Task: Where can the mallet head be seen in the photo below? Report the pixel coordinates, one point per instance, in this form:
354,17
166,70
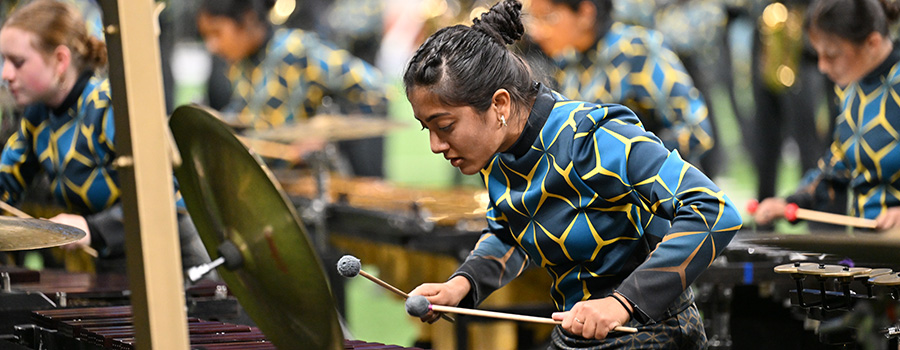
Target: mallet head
348,266
417,305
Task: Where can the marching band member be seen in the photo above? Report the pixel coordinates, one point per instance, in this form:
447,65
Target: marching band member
53,66
281,75
623,225
604,61
852,39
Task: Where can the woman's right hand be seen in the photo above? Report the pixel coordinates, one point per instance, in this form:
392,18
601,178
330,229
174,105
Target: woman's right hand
449,293
769,209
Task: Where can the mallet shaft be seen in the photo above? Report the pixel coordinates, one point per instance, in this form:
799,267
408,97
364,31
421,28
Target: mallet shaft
384,284
397,291
837,219
511,317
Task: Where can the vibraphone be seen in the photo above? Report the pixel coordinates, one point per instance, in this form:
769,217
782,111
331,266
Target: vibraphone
112,328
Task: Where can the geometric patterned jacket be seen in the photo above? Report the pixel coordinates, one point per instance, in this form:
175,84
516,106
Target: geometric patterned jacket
589,195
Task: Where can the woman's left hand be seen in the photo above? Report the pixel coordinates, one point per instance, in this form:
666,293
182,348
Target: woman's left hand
889,219
593,319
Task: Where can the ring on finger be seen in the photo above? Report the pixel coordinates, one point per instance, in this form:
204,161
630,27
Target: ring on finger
579,321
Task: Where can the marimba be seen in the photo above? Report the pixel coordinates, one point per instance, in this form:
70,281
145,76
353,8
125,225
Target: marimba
112,328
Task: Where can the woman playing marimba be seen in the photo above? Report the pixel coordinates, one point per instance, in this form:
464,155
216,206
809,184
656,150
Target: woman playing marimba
621,224
52,66
852,38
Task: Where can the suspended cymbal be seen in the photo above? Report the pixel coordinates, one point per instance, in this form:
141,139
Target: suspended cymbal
861,247
793,267
875,273
327,127
819,269
232,197
847,272
891,279
26,234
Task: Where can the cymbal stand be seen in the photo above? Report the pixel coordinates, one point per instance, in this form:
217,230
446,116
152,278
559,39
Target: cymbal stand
317,210
844,283
870,287
826,300
798,279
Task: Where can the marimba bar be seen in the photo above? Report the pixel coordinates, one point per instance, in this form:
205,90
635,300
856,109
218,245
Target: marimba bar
112,328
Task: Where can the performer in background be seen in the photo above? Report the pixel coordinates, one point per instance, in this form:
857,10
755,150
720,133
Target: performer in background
852,39
604,61
53,69
282,75
621,224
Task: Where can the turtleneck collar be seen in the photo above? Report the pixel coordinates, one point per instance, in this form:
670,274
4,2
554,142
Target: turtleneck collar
543,105
260,53
72,97
875,75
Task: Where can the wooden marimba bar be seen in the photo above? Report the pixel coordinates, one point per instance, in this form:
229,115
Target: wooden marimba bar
112,328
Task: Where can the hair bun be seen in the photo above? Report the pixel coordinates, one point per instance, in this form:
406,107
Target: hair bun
503,22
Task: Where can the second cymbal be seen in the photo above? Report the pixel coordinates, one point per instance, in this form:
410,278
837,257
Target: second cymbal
26,234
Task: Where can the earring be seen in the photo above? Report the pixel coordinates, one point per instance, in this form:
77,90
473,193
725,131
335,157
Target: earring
502,120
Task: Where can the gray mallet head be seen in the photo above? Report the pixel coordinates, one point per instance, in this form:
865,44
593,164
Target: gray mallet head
417,305
348,266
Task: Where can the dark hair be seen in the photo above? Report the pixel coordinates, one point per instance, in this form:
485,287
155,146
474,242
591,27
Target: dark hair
57,23
465,65
604,12
853,20
237,9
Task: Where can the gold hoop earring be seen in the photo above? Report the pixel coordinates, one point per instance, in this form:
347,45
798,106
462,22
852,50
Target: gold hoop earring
502,120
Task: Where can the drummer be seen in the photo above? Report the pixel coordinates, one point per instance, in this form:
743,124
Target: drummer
282,75
856,51
623,225
605,61
53,68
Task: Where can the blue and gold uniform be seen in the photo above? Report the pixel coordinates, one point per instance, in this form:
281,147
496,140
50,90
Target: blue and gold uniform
286,80
632,65
865,153
75,145
596,200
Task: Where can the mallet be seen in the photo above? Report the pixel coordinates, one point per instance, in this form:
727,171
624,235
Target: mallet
349,266
418,306
792,212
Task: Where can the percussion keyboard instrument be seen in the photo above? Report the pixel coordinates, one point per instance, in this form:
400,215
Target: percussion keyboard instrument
112,328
